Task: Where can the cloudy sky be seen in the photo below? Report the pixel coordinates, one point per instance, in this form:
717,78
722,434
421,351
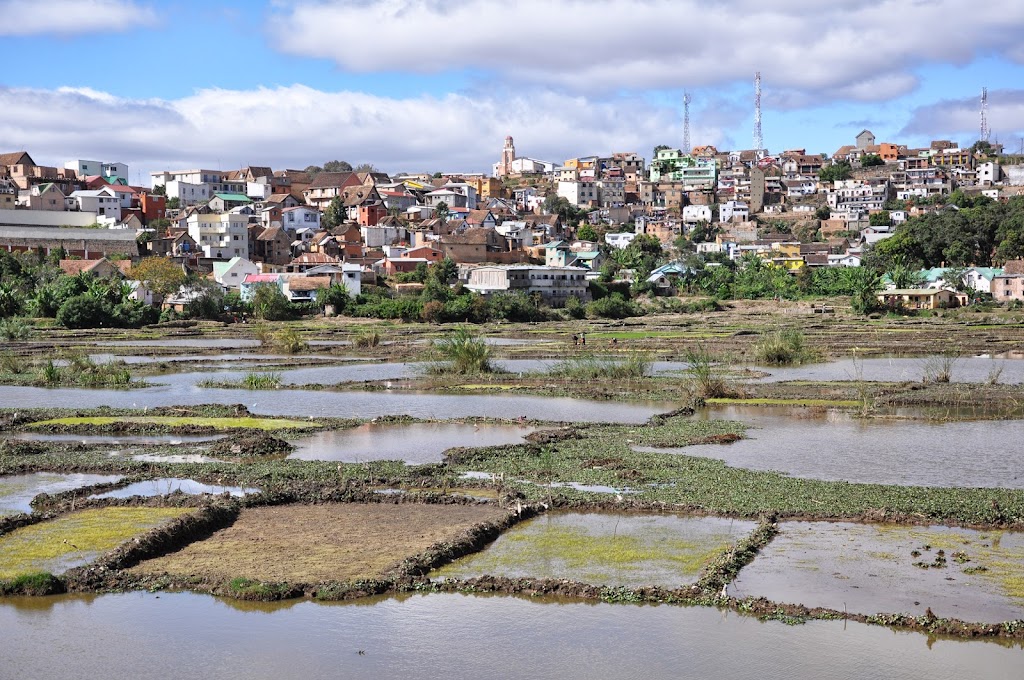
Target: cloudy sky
425,85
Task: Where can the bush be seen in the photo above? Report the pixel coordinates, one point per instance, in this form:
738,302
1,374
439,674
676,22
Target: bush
288,340
464,353
706,375
615,306
83,311
433,311
14,329
514,307
336,295
574,308
782,348
367,337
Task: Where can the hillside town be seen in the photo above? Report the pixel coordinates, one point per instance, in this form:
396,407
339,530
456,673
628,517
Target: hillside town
546,229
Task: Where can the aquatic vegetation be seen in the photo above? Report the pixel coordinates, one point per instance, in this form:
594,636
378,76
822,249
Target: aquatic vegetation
463,352
366,337
76,538
591,367
262,381
783,348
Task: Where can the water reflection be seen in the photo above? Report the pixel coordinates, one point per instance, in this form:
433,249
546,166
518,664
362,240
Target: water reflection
141,635
415,443
834,445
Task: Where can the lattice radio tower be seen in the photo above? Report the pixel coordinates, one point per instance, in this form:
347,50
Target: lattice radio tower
686,122
985,131
758,139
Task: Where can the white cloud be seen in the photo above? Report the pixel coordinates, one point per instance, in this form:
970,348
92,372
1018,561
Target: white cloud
960,119
852,49
71,17
296,126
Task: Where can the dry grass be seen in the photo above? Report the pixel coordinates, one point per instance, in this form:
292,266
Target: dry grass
300,543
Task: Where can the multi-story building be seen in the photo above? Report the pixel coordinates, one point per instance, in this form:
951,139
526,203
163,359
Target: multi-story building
860,196
555,285
672,165
220,236
580,193
611,191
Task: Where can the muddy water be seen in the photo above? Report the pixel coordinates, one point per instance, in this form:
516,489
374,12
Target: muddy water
162,487
17,491
605,549
126,440
870,569
141,635
341,404
415,444
183,342
833,445
965,369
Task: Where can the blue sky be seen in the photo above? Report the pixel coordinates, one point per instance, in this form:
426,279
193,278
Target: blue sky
422,85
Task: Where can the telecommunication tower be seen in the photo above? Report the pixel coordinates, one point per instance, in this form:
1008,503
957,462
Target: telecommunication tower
985,131
686,122
758,139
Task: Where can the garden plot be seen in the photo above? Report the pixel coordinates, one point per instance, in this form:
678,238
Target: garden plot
76,539
307,544
868,569
605,549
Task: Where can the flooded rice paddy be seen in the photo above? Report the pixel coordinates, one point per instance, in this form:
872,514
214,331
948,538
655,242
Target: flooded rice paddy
415,444
342,404
142,635
75,539
901,369
605,549
869,568
162,487
837,446
17,491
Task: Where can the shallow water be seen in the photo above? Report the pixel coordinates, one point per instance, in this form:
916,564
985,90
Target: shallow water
900,369
833,445
125,440
353,404
869,569
415,443
162,487
17,491
613,549
143,635
183,342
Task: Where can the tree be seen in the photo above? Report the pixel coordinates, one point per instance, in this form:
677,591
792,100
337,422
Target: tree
365,167
335,213
83,311
337,166
871,160
441,210
160,190
823,212
270,304
658,148
313,170
835,172
444,271
335,295
880,219
160,225
162,276
173,203
586,233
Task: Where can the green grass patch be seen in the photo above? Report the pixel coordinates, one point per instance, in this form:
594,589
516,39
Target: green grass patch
179,421
75,539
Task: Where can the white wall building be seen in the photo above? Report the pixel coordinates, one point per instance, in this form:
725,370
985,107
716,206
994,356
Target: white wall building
220,236
579,193
187,192
694,214
733,211
620,240
103,202
300,217
554,284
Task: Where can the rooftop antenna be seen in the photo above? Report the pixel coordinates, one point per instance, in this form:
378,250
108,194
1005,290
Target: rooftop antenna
758,139
985,131
686,122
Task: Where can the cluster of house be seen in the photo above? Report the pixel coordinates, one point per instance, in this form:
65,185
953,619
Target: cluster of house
303,231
